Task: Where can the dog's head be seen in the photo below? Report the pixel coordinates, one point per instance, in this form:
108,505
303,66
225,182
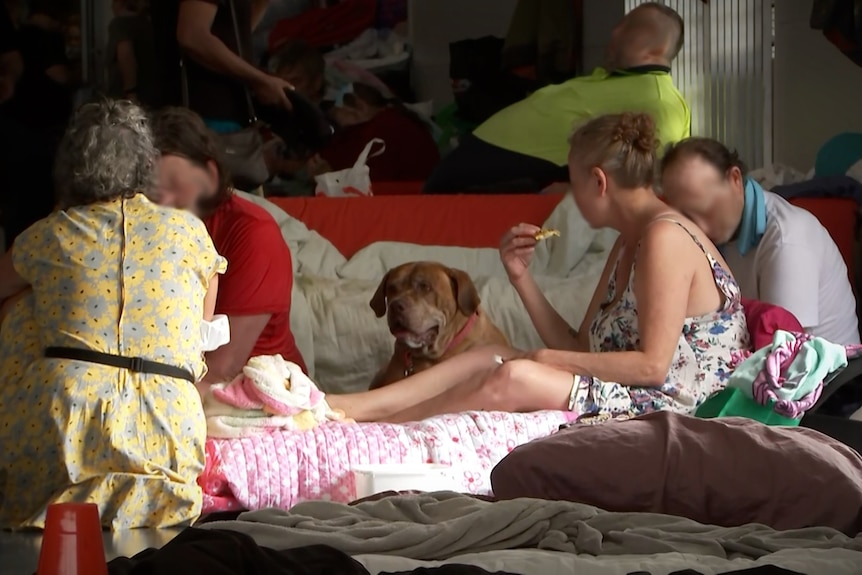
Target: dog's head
422,302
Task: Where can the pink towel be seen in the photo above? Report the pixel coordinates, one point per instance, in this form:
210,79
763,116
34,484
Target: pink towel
239,393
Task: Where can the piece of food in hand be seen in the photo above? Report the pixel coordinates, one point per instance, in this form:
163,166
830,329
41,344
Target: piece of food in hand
544,234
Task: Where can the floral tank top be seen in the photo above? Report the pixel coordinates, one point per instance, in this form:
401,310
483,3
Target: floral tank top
702,363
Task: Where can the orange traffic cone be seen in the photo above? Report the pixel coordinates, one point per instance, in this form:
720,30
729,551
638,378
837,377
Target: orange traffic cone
72,541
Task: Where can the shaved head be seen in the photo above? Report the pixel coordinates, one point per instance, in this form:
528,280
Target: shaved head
666,23
651,33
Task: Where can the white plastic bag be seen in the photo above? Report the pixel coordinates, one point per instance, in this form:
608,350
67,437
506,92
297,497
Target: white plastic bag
355,181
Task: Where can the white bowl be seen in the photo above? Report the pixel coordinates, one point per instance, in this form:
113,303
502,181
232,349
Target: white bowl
373,479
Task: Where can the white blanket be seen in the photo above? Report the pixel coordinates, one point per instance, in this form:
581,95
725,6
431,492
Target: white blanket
335,327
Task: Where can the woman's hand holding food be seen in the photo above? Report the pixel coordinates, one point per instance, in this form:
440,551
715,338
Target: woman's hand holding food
516,250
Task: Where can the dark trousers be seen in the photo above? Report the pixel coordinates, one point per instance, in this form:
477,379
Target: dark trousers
476,166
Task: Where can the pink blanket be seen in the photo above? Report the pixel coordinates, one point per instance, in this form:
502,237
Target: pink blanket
282,468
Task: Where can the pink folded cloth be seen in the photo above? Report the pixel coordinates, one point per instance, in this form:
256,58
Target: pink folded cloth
239,393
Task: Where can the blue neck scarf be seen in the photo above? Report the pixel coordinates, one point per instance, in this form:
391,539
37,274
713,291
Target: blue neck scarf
753,222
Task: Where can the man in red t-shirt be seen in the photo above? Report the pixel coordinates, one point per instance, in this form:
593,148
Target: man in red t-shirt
255,293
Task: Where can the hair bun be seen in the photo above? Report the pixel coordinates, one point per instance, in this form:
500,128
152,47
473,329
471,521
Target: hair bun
636,131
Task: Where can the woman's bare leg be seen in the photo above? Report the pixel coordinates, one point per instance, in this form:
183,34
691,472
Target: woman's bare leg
515,386
384,403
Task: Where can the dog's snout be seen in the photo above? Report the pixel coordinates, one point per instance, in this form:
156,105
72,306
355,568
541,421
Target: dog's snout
397,306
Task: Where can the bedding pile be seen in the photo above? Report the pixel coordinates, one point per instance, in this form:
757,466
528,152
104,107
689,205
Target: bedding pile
344,344
270,394
283,468
443,526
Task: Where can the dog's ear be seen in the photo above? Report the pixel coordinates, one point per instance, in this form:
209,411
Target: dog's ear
465,291
378,300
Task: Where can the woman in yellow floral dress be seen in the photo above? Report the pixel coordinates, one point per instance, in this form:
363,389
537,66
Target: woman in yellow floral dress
107,410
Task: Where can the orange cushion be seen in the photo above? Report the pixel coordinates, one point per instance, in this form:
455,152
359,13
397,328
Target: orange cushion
472,221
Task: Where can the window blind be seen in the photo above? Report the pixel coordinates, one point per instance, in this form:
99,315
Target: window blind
725,72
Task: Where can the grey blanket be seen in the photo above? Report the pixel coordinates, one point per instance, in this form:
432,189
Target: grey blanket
442,525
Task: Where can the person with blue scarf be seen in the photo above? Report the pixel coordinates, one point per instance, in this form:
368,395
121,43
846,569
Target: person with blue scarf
779,253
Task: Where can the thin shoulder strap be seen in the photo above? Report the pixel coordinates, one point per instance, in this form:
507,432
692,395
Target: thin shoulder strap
688,231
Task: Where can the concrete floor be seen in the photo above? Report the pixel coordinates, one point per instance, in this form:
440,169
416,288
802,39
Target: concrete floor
19,552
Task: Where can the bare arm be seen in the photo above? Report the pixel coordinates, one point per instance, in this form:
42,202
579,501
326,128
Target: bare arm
210,298
10,282
517,249
128,65
195,37
662,287
227,362
555,331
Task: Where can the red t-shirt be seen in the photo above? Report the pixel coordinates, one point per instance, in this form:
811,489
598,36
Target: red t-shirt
411,154
259,274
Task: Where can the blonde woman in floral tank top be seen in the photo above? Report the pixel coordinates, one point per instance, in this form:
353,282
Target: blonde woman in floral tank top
658,333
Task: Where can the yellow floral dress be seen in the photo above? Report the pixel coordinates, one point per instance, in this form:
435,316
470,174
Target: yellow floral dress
127,278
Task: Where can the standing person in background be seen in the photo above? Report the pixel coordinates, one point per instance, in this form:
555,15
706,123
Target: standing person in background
33,110
11,63
204,33
44,99
131,54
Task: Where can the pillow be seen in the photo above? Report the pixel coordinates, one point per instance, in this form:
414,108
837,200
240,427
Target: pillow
727,472
373,261
312,254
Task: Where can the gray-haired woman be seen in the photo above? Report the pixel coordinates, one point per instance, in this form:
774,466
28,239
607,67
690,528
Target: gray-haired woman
107,411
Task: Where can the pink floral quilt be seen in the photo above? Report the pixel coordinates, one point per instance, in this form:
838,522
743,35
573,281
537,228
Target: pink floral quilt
283,468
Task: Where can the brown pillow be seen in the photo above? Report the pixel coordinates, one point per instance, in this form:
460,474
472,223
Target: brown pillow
726,472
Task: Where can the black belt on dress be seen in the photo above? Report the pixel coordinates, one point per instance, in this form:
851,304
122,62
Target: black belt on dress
133,364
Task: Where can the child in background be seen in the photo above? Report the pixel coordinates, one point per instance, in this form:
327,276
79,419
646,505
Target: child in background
361,113
303,66
364,114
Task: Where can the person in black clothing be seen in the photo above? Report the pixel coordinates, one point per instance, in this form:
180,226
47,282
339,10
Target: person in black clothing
217,75
26,143
44,99
11,63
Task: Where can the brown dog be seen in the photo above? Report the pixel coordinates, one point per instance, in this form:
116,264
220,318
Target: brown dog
433,312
